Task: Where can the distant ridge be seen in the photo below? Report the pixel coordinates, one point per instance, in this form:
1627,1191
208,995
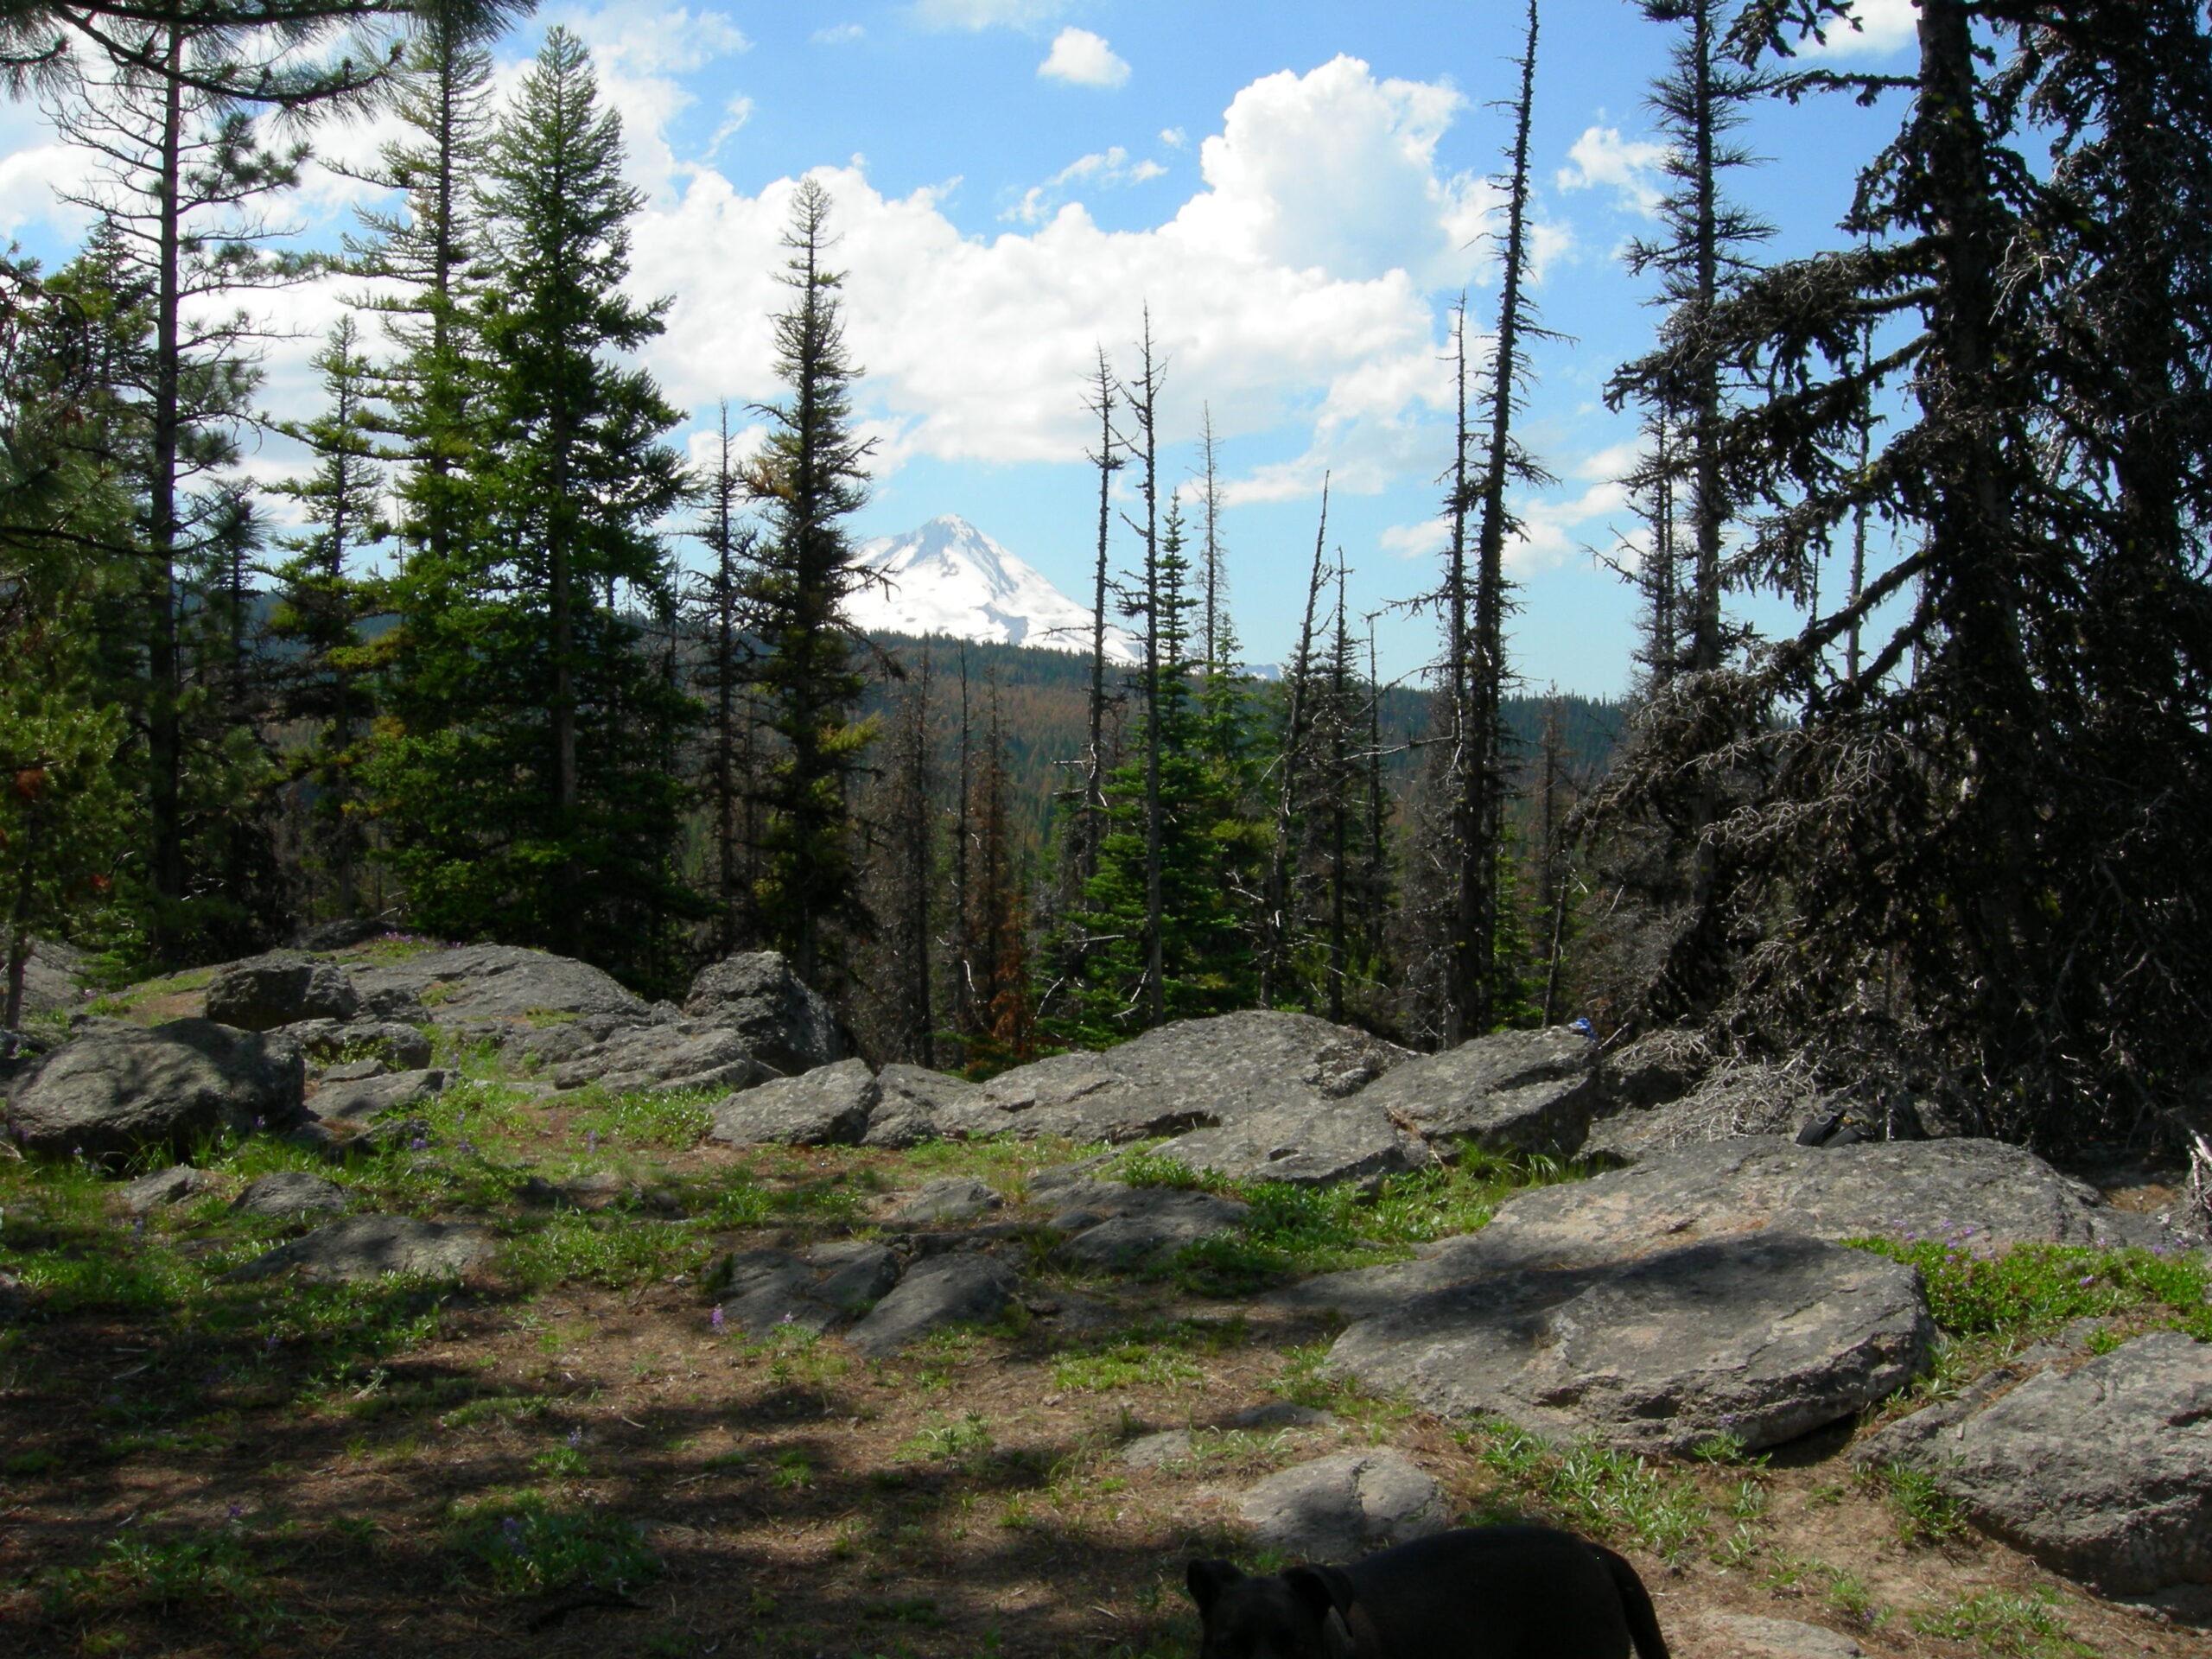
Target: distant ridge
947,577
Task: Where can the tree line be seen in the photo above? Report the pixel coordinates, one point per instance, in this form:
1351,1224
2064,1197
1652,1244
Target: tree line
1934,836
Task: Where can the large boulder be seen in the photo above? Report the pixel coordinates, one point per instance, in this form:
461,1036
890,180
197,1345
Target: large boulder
762,1291
826,1106
1193,1074
918,1104
50,983
1305,1144
280,989
2103,1473
368,1247
289,1192
1516,1091
664,1060
120,1089
965,1287
1337,1507
474,984
1982,1191
1762,1338
368,1098
783,1023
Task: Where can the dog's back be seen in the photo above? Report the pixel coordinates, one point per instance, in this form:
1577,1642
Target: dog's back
1485,1592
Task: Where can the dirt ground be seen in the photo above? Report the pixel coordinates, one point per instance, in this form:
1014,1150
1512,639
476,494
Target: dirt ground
549,1460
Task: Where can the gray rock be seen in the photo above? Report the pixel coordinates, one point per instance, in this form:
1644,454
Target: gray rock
121,1089
782,1022
1740,1098
341,935
50,983
1657,1069
812,1290
368,1247
355,1070
280,989
1344,1505
963,1288
917,1105
1280,1413
1765,1339
1150,1451
1305,1144
1745,1636
531,1047
826,1106
1530,1091
663,1059
369,1099
290,1193
171,1185
2103,1473
1115,1225
956,1197
1982,1191
468,984
1193,1074
400,1047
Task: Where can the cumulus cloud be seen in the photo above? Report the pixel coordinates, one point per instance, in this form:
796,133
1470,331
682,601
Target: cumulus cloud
986,14
639,37
1083,59
1107,169
1629,167
1884,25
1173,137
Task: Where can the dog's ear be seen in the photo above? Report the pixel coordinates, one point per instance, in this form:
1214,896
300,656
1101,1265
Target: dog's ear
1207,1579
1324,1590
1336,1637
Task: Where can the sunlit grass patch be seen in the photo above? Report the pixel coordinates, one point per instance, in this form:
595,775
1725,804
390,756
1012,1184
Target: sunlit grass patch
1599,1489
617,1252
2023,1291
524,1546
2006,1626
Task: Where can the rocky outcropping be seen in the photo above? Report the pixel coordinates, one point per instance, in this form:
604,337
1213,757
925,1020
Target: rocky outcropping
1111,1224
783,1023
369,1247
290,1193
1518,1091
118,1090
2102,1473
762,1291
664,1060
366,1099
334,1042
827,1107
474,984
964,1288
1307,1145
281,989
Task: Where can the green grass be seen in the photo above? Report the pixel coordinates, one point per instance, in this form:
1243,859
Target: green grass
1599,1489
613,1250
2025,1291
524,1546
219,1573
1923,1511
950,1440
2005,1626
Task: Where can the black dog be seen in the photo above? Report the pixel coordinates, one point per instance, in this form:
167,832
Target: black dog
1489,1592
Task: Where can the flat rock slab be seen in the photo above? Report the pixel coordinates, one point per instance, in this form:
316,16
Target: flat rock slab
1151,1450
812,1290
1531,1091
1979,1190
498,982
827,1107
290,1193
164,1187
2103,1473
781,1021
368,1098
1344,1505
369,1247
1112,1224
1280,1413
1192,1074
962,1288
120,1089
1305,1145
664,1060
1745,1636
1765,1339
956,1197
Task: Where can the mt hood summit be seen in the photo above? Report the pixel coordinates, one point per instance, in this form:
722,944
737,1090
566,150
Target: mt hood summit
949,577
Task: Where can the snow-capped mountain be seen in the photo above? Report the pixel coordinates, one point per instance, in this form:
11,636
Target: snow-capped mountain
949,577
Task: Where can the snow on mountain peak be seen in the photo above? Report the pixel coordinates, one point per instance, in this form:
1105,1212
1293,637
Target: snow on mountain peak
947,577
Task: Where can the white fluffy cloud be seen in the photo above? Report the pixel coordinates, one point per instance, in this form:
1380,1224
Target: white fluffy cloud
838,34
1108,168
1884,25
1293,287
1083,59
639,37
1629,166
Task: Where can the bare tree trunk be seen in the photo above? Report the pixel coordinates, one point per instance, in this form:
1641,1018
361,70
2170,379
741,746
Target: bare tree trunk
1109,461
1274,962
1144,404
164,731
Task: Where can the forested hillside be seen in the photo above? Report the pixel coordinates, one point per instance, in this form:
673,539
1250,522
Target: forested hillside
1909,787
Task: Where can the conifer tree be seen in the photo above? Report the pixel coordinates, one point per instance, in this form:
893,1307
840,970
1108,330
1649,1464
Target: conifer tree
517,776
810,475
730,780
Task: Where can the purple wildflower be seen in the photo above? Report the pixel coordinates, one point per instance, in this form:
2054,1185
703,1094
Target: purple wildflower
576,1439
591,1140
417,1143
717,1320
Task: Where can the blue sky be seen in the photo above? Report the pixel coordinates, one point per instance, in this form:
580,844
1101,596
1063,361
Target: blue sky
1297,190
